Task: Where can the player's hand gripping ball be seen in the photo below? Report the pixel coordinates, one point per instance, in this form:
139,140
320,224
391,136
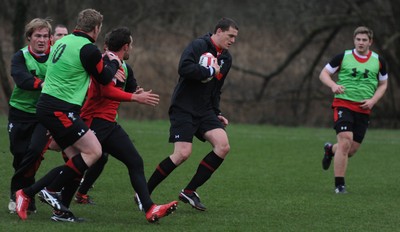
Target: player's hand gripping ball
207,59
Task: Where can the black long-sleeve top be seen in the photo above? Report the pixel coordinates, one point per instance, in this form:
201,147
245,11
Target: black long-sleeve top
195,92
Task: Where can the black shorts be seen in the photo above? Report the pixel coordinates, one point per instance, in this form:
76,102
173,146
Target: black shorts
28,140
116,142
61,119
348,120
103,128
184,126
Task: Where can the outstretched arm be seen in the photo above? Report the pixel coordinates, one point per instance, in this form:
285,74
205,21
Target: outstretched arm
112,92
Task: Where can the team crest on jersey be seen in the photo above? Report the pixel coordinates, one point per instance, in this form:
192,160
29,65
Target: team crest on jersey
340,113
10,126
71,116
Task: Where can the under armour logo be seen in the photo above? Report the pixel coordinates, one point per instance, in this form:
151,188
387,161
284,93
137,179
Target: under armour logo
10,126
343,128
340,113
81,132
177,136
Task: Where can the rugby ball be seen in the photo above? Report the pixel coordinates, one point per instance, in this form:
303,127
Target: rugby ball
206,59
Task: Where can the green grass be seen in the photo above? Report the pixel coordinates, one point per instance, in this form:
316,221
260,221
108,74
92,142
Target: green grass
272,180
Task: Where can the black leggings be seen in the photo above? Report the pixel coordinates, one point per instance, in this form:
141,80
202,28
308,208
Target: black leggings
116,142
28,142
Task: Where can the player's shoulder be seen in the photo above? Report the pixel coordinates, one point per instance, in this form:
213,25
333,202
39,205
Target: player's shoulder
337,59
89,47
377,56
18,56
201,43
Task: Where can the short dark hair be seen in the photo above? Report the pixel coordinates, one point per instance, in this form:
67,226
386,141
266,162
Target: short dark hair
225,24
363,30
117,38
60,26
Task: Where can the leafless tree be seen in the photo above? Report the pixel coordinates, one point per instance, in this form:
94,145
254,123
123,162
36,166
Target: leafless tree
281,48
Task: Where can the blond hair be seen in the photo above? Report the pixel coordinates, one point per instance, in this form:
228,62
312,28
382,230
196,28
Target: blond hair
35,24
88,19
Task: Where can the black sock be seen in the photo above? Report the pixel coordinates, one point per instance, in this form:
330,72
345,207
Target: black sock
69,190
92,174
206,168
339,180
162,171
43,182
74,168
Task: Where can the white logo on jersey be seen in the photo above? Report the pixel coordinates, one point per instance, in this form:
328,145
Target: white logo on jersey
10,126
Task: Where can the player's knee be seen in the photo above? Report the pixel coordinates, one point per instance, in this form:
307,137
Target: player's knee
180,156
54,146
96,152
223,149
345,144
185,155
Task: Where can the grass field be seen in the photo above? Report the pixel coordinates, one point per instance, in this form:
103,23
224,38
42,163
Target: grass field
272,180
